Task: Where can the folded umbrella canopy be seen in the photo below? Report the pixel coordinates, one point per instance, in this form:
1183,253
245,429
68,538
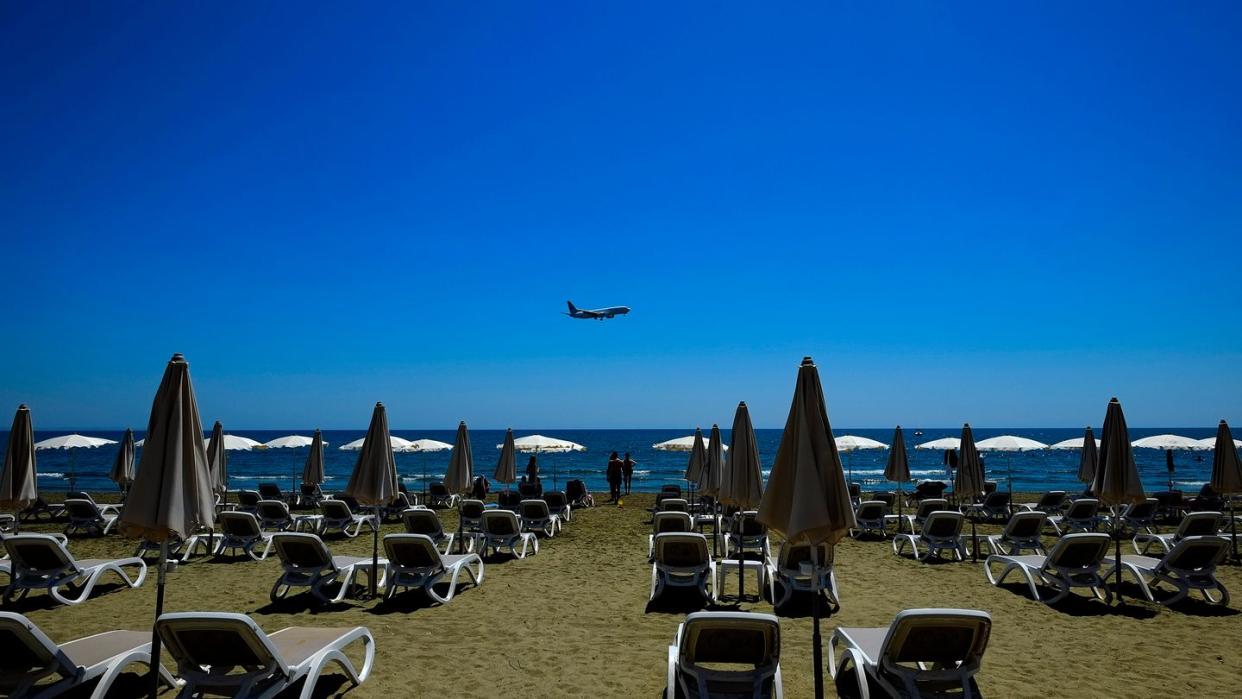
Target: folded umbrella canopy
1089,460
18,483
460,474
374,480
1116,475
968,481
897,469
171,494
312,471
1227,476
218,460
741,480
697,463
807,498
122,472
506,466
709,484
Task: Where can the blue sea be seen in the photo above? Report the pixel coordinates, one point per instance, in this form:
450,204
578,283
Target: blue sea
1031,471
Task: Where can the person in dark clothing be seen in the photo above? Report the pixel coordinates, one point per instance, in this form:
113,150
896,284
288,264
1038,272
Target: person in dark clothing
532,476
615,474
627,470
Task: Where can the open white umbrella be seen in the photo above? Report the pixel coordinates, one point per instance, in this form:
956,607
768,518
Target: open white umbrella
1072,443
942,444
1009,443
682,444
1171,441
539,444
851,443
396,444
71,442
291,441
1210,442
425,445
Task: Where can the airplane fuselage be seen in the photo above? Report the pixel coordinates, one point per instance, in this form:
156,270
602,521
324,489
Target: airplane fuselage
597,313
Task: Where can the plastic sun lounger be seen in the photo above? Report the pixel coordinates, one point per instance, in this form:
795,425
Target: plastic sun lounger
85,515
754,536
307,562
1022,532
1083,515
924,510
415,562
682,560
1075,561
942,531
1050,503
337,516
1190,565
502,531
1193,524
871,517
42,562
668,522
421,520
923,652
207,645
787,574
30,657
537,518
748,642
240,531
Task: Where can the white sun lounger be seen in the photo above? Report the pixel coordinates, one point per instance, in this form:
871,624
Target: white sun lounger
1022,532
42,562
1191,565
786,574
924,652
665,522
338,516
942,531
1075,561
682,560
871,517
307,562
210,646
85,515
748,644
31,657
240,531
1193,524
501,531
414,561
1050,503
1082,515
537,518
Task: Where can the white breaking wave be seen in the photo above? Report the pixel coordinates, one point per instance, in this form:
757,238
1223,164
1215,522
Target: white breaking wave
52,474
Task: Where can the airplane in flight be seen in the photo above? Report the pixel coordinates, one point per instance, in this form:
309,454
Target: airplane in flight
597,314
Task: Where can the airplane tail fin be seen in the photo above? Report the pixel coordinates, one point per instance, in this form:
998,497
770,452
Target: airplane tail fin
572,307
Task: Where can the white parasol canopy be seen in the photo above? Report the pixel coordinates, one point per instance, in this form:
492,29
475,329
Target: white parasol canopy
396,443
1072,443
849,442
1210,443
540,444
425,445
293,441
73,441
683,444
1009,442
941,444
1170,441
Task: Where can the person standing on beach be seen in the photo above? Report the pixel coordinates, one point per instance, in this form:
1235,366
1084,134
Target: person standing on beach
627,469
532,475
614,473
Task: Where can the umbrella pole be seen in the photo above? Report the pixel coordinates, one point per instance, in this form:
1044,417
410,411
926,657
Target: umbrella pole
159,609
817,646
900,498
1233,530
974,541
741,577
461,530
375,550
1117,563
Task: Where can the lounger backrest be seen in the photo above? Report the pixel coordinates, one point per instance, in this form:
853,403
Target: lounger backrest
219,640
1199,524
240,524
1197,554
871,510
674,505
534,509
1142,511
27,650
665,522
301,550
412,551
735,638
681,550
930,489
248,498
79,495
937,637
1051,500
886,497
943,524
997,499
472,509
750,525
269,491
1083,508
556,500
81,509
438,490
671,488
855,490
792,556
930,505
348,500
335,509
38,553
273,510
1024,525
310,489
420,521
1083,551
500,523
508,499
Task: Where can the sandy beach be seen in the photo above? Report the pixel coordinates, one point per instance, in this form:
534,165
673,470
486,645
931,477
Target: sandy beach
574,621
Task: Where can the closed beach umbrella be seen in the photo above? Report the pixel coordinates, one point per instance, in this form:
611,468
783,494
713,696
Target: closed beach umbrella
1227,476
218,460
1116,475
697,463
1090,458
18,486
374,480
807,498
460,473
171,494
741,480
968,481
312,471
710,483
506,466
898,468
122,472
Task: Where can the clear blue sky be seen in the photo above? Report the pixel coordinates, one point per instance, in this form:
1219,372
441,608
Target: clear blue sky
986,213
